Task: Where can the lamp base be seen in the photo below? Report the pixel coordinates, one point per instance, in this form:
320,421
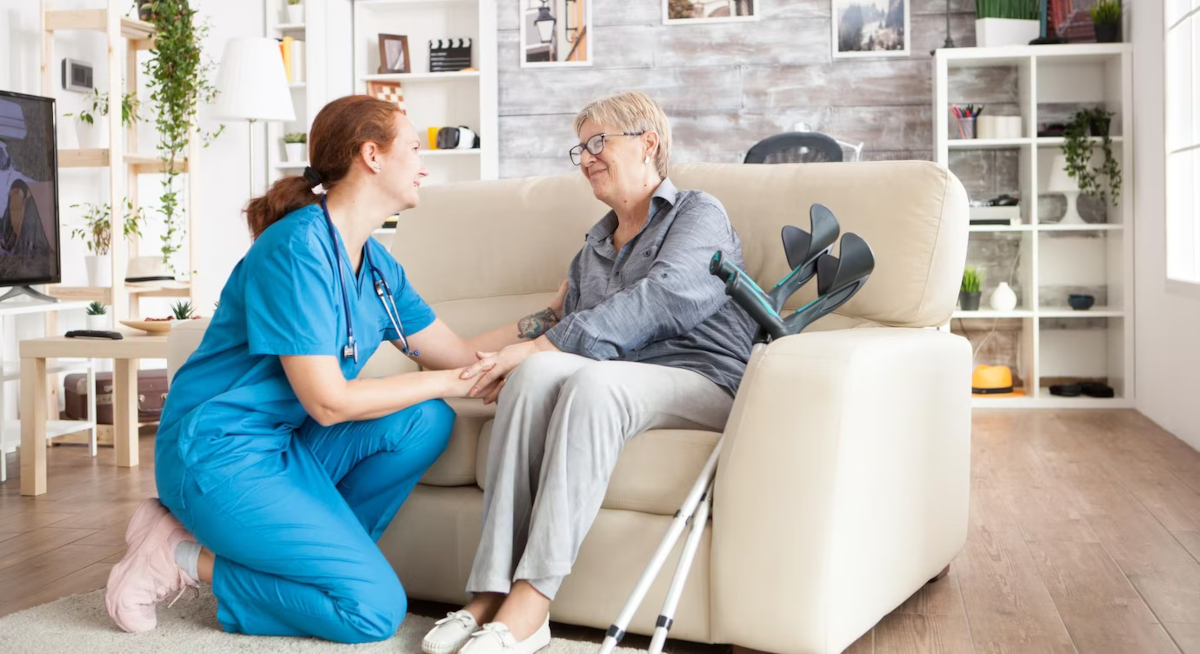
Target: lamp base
1072,217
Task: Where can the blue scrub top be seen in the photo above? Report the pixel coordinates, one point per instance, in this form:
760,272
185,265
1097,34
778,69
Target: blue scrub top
231,404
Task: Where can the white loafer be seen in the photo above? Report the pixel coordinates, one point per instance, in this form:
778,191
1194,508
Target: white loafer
450,633
495,638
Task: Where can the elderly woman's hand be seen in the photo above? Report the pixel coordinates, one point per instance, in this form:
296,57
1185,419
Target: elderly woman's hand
493,367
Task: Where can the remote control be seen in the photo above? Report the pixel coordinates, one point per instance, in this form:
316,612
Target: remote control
94,333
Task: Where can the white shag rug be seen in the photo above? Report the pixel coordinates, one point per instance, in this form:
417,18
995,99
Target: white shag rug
80,623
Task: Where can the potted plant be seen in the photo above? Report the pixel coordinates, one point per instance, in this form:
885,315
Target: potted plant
96,104
182,310
968,293
295,12
178,81
1106,17
146,10
97,236
293,144
1077,148
1006,22
97,316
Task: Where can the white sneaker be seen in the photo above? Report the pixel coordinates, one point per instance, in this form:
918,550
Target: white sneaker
449,633
495,638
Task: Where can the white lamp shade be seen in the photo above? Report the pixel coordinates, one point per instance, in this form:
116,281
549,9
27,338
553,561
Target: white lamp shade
251,83
1060,181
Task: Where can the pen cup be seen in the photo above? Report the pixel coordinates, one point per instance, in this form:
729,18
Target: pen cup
962,128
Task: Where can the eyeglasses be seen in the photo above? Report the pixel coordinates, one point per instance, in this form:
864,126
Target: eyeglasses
595,145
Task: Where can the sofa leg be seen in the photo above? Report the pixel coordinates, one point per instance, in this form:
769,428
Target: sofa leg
941,575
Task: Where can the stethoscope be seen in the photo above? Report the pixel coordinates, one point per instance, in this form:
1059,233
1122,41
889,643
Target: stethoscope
381,289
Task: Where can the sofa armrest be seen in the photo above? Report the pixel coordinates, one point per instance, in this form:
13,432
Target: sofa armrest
842,486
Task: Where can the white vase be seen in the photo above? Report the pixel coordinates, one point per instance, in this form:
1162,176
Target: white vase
1004,298
998,32
295,151
295,14
98,270
89,135
98,322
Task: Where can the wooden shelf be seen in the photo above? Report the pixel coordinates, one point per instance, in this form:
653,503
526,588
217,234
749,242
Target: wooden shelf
291,27
1068,312
985,314
986,144
1001,228
12,371
142,164
103,294
1059,140
96,20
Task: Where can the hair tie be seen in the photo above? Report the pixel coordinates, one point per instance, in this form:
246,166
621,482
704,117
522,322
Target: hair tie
313,177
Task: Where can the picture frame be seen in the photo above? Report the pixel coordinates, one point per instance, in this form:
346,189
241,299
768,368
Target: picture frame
712,11
867,28
555,33
393,54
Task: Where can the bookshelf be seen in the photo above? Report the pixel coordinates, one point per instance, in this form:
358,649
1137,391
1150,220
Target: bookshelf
1043,260
308,80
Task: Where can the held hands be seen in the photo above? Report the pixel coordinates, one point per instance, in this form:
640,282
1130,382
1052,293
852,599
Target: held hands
492,368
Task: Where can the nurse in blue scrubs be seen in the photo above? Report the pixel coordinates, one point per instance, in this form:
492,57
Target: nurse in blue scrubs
276,467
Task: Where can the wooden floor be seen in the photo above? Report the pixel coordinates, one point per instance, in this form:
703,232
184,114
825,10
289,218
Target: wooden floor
1084,536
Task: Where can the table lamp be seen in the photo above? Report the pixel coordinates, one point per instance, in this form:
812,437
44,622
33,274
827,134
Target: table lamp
253,86
1061,182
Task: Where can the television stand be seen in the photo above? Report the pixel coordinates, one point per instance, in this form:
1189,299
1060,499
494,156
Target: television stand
18,291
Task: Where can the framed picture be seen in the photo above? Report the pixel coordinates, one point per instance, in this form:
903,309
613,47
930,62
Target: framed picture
556,33
870,28
393,54
707,11
391,92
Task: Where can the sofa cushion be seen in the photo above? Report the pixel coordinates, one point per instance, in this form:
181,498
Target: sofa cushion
456,465
656,469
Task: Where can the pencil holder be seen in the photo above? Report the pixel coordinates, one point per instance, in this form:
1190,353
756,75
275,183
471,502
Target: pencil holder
962,127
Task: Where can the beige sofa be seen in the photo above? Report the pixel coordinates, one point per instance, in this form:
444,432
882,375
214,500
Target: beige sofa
842,486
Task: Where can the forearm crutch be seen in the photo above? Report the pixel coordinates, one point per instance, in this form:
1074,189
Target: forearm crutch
695,533
699,490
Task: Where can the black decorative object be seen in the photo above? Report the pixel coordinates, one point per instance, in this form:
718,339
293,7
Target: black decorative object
1081,302
448,55
545,23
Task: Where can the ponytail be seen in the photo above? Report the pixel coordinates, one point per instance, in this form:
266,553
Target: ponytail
285,196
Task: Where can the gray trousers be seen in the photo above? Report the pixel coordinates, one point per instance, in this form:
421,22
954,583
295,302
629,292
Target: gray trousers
561,422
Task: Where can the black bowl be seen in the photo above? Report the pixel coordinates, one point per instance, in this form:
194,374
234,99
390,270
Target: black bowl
1081,302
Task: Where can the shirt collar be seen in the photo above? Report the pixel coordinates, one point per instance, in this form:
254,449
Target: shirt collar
666,192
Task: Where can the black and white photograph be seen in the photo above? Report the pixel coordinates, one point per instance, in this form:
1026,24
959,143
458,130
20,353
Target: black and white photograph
393,54
870,28
708,11
556,33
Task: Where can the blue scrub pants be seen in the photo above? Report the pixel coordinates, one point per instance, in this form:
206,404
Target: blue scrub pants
294,535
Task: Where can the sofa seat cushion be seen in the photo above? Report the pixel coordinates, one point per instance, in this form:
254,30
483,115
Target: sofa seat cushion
456,465
656,469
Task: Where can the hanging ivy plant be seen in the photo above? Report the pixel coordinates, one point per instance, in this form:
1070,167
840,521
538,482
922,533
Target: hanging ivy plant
1077,147
179,82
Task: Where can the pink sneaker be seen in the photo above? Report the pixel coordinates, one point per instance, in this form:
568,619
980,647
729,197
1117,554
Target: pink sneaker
147,573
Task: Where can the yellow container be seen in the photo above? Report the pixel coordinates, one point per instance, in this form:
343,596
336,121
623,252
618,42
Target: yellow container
433,137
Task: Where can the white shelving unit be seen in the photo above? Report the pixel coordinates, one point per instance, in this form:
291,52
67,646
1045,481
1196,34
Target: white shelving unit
1057,343
310,83
437,99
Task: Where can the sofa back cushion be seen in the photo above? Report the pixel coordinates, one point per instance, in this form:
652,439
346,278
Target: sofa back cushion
510,241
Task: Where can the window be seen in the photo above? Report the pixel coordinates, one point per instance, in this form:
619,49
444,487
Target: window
1183,140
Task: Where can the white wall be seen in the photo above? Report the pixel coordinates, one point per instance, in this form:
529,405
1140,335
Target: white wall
1167,321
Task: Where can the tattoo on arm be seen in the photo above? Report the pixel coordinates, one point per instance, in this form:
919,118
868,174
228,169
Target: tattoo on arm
536,324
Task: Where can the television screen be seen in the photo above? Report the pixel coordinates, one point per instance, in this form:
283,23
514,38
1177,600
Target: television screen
29,238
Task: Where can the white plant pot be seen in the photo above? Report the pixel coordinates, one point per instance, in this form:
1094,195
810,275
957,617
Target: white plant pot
89,135
98,322
295,151
295,14
99,272
998,32
1004,298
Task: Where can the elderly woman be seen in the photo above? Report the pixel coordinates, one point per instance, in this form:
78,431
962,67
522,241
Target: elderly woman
647,340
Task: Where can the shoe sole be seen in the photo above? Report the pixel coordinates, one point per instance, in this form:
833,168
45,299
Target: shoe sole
111,592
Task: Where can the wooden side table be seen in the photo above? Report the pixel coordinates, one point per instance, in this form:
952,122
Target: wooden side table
125,354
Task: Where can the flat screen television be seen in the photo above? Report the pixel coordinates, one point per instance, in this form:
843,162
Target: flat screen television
29,234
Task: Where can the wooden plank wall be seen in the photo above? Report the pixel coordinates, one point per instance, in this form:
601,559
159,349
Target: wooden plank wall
727,85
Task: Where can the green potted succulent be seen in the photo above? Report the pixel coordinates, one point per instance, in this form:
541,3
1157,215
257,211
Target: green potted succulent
96,233
1106,17
1077,148
182,310
293,145
97,316
969,291
1006,22
95,105
295,12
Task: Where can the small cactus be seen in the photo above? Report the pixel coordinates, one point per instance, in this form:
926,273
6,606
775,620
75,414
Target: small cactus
182,310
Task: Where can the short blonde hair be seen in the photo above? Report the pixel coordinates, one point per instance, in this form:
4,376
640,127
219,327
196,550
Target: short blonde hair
632,111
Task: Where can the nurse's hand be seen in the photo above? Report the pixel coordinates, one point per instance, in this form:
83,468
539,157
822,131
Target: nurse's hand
457,385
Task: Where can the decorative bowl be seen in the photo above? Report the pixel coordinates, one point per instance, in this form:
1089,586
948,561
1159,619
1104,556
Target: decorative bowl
1081,302
150,326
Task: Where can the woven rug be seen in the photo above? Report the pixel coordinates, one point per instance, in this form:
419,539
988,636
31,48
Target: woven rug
79,623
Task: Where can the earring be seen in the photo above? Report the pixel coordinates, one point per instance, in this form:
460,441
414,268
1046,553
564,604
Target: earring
376,168
647,159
